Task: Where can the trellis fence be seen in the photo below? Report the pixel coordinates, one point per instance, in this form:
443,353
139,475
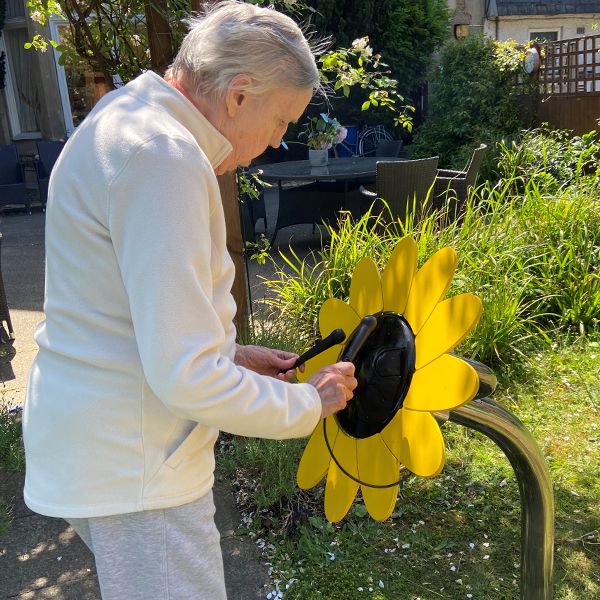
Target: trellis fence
569,84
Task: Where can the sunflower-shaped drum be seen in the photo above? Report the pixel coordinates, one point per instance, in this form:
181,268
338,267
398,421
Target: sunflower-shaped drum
401,331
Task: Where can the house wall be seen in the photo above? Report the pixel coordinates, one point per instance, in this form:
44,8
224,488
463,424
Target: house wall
52,121
519,28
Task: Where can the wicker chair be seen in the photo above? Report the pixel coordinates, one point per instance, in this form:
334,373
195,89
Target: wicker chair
12,180
312,203
389,148
47,154
404,185
455,186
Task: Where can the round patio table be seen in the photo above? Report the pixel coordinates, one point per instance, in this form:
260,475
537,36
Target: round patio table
338,169
317,194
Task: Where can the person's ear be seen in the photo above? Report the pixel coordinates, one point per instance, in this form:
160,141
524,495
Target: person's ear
236,97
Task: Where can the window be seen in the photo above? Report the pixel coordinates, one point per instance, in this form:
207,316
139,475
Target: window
75,82
23,91
544,36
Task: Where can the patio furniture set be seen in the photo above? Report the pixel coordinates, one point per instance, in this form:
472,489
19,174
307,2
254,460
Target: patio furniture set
313,195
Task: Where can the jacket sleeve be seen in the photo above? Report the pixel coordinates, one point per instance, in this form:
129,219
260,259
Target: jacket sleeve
159,216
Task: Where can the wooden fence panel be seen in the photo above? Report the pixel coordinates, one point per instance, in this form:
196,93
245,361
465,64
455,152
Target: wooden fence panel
571,67
569,86
578,113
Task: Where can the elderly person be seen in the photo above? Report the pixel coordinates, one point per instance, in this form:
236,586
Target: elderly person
138,368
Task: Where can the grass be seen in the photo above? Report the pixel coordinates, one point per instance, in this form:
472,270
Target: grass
456,534
12,458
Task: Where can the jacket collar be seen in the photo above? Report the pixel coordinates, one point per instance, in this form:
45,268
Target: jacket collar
153,89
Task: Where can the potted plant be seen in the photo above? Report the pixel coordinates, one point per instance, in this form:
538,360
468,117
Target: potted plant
321,133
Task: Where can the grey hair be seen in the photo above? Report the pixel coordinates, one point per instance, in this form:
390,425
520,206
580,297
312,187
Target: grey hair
233,38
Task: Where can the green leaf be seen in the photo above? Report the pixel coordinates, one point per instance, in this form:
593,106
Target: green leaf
365,105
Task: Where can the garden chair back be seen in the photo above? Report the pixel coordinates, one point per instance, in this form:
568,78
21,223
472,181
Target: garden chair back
456,185
12,180
47,152
405,185
390,148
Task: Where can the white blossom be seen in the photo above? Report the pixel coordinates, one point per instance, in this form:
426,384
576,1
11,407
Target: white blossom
37,16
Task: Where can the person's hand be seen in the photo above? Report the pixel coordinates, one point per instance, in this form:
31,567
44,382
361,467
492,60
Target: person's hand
267,361
335,384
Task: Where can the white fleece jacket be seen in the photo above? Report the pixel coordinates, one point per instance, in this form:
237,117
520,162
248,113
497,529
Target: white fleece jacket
135,375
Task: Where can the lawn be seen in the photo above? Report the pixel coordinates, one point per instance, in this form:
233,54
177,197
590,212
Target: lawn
455,536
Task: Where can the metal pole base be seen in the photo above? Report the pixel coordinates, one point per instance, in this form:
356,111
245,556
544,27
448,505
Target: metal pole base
535,487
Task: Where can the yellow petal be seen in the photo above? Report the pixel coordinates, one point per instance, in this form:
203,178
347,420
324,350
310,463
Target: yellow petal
448,325
429,285
315,459
398,275
392,435
445,383
422,446
336,314
329,357
365,288
344,450
377,466
340,492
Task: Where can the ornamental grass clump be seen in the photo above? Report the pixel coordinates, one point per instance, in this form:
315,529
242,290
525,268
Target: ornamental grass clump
552,158
534,260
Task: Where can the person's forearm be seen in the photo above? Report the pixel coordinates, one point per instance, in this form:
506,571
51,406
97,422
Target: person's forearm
240,358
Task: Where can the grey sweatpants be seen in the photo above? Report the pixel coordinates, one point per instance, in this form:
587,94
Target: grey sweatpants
168,554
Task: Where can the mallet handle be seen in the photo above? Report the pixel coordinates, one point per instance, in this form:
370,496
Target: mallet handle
363,331
337,336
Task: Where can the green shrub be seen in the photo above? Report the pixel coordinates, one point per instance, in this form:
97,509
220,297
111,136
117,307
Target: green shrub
551,157
473,99
405,32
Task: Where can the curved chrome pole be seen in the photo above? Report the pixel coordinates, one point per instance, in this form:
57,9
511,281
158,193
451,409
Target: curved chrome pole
535,487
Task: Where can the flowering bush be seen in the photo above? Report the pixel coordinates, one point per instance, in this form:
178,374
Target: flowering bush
322,132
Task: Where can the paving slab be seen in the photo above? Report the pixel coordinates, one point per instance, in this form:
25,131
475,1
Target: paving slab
43,557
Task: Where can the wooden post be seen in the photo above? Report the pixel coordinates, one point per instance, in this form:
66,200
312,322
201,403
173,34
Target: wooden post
235,245
159,34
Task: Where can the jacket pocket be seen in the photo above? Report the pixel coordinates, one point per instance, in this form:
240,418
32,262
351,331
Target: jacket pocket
191,446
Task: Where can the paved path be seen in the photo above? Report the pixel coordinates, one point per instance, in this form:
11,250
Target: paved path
42,558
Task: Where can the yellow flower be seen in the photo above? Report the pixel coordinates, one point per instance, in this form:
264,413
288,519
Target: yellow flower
405,373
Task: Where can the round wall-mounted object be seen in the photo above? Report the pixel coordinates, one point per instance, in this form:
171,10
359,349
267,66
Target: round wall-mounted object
531,62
